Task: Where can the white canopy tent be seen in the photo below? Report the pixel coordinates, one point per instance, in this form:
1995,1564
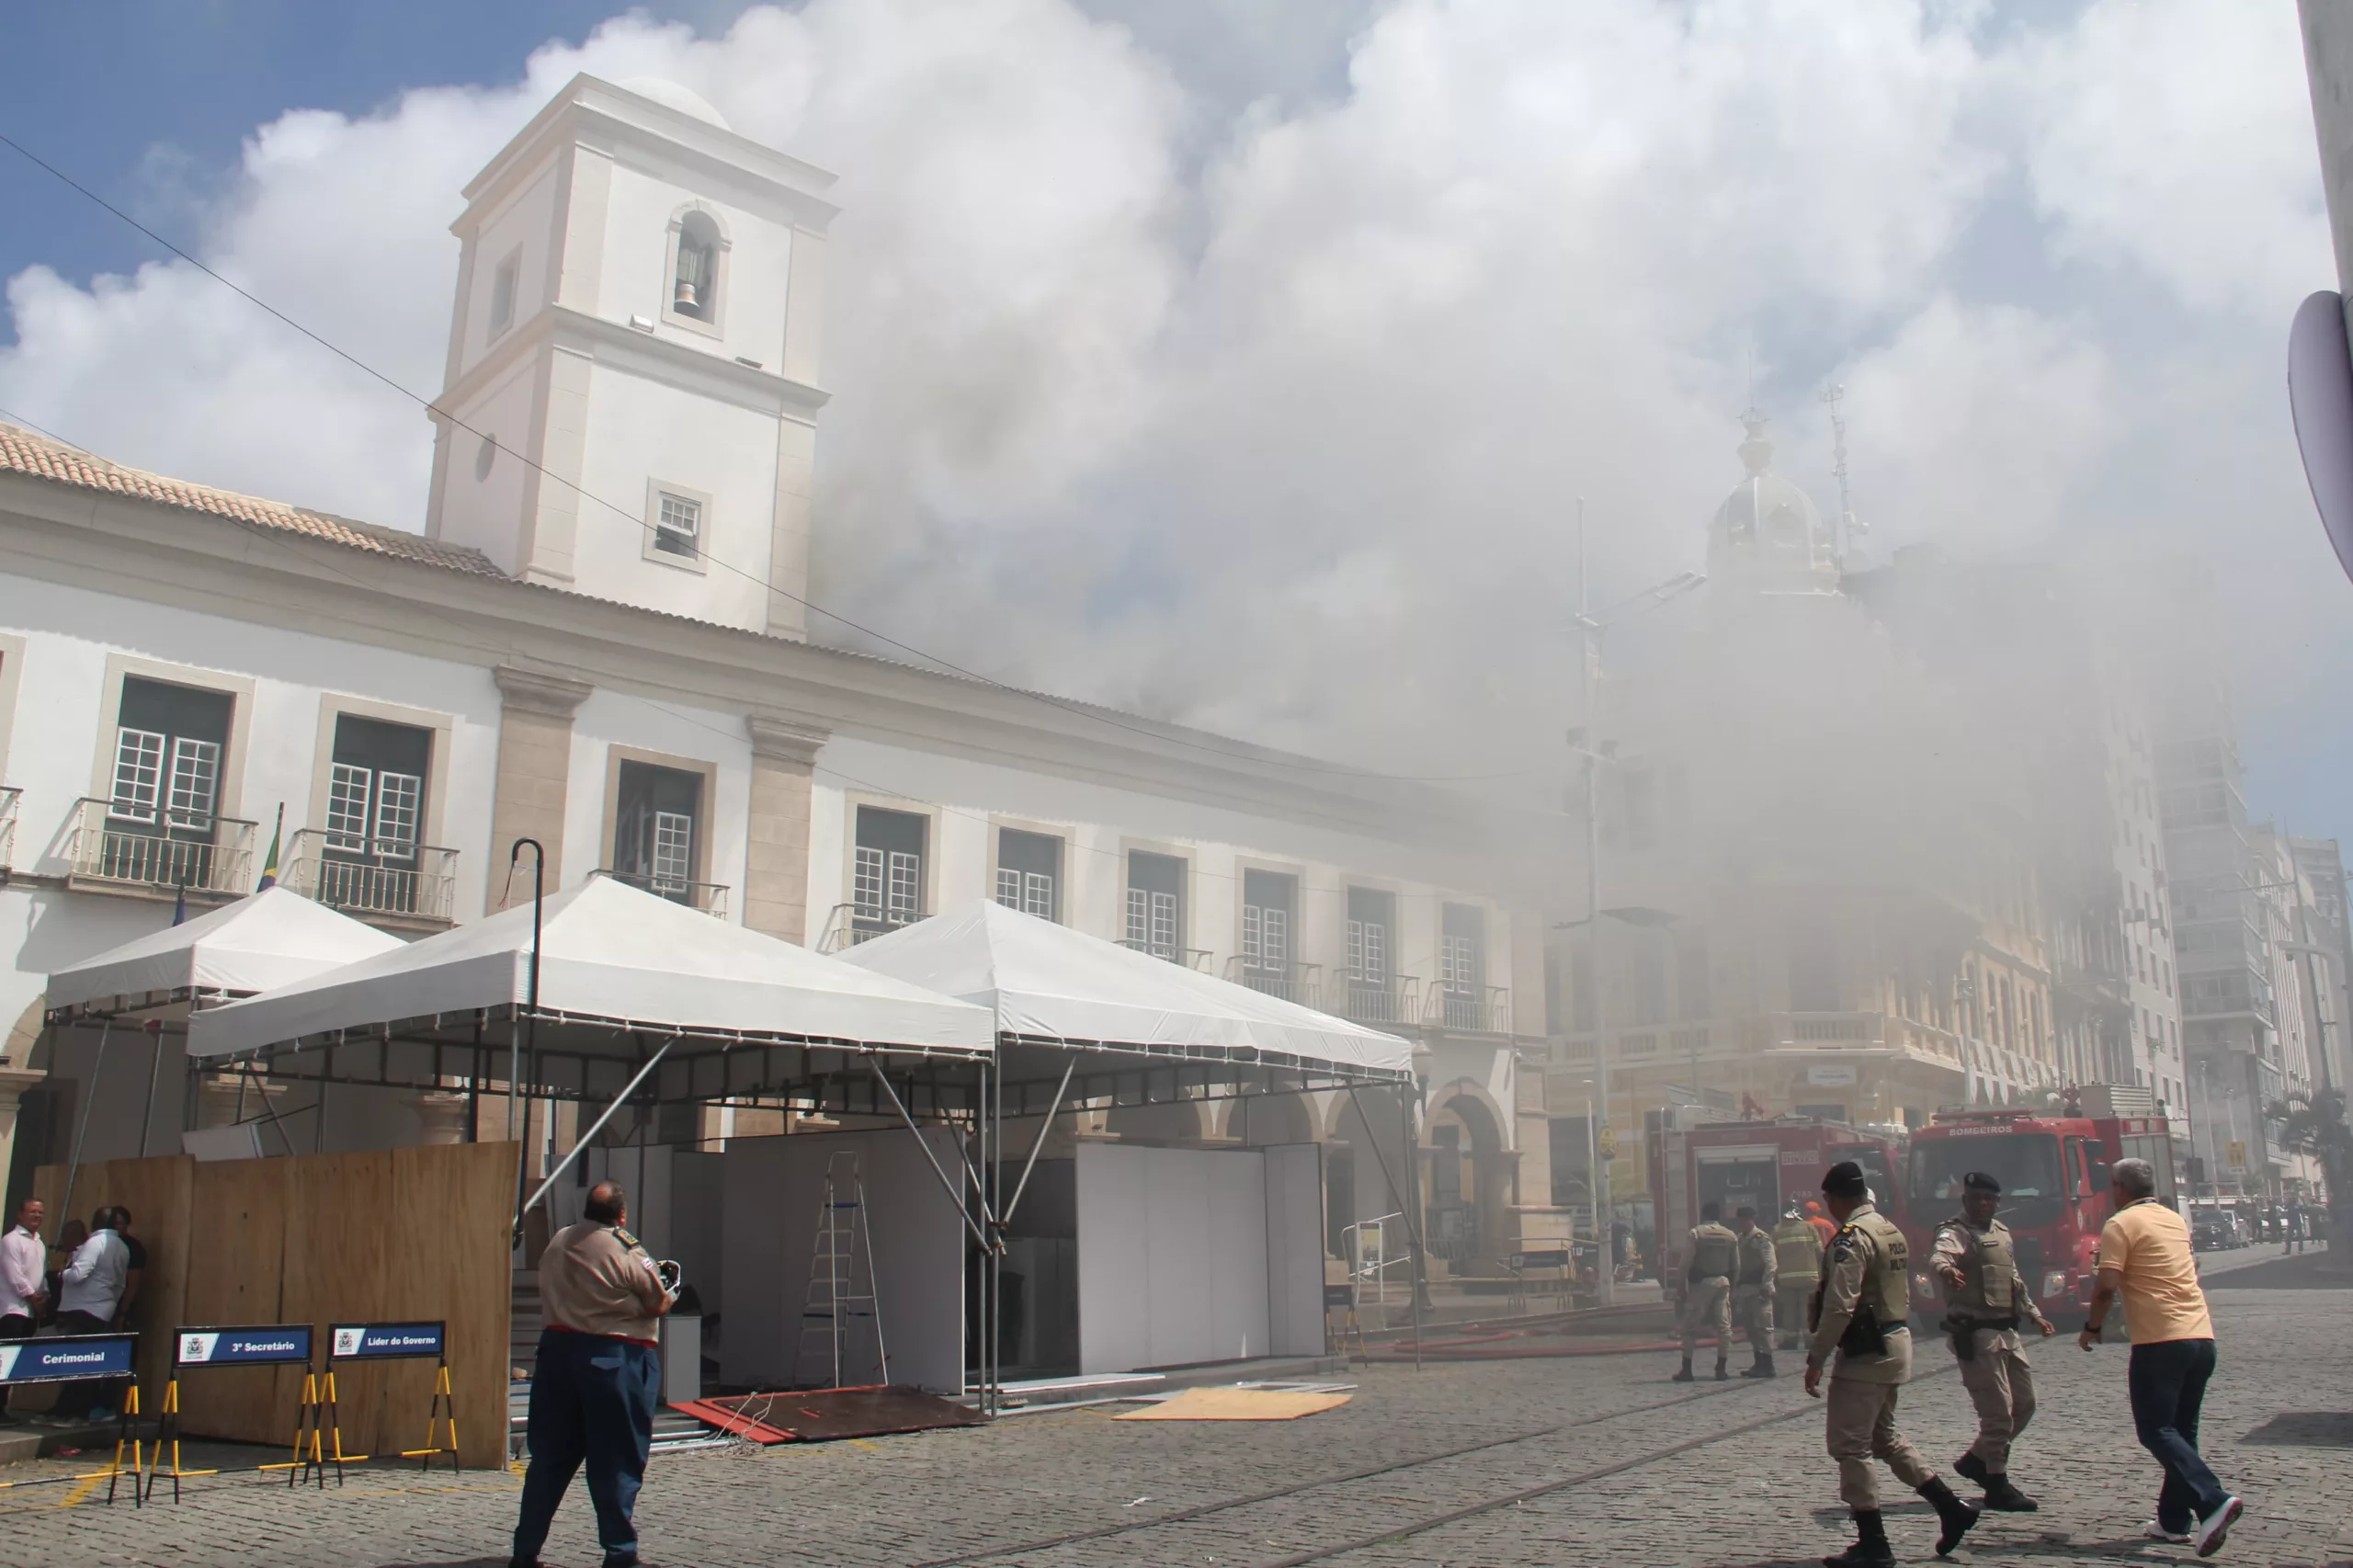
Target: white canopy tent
1052,985
275,938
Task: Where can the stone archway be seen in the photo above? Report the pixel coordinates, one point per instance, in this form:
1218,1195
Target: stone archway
1257,1121
1181,1123
1469,1185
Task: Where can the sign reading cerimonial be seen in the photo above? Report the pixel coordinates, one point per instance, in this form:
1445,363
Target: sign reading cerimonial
383,1341
249,1346
66,1355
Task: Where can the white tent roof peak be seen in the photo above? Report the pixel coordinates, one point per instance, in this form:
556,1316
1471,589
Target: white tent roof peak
1048,983
272,938
612,952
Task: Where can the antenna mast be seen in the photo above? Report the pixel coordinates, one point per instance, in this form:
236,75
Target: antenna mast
1832,396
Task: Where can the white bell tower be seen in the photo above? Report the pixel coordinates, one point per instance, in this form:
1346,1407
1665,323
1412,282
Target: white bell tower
630,408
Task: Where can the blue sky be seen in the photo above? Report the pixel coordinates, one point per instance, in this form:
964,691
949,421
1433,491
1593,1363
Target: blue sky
2049,247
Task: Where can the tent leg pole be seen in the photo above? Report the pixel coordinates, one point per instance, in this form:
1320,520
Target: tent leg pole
527,1036
580,1144
1413,1207
155,1076
74,1169
955,1192
1409,1207
996,1252
1031,1162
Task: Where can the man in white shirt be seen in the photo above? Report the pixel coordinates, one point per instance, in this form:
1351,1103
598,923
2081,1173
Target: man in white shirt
88,1301
24,1286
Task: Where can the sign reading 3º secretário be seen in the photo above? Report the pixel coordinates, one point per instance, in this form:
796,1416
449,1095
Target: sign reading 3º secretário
383,1341
66,1355
260,1345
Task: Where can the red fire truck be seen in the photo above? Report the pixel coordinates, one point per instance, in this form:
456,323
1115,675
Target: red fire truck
2053,1171
1760,1164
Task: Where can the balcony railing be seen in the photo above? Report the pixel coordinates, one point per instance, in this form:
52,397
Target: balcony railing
1289,982
395,883
708,897
1191,958
1480,1009
8,800
211,855
1391,999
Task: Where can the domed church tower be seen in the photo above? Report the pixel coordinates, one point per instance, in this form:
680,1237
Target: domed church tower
1769,537
630,407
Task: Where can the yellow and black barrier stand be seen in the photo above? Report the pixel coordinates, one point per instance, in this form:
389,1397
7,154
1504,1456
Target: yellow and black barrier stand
126,1431
443,1410
168,1429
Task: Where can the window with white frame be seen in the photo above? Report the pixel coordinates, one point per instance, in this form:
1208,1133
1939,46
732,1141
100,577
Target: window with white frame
655,815
376,788
1028,872
1462,944
1157,905
1373,917
169,742
1269,899
887,870
678,525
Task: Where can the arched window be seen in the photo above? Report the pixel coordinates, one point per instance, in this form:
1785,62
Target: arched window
694,286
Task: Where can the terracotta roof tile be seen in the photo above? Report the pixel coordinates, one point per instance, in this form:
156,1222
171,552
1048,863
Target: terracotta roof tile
26,452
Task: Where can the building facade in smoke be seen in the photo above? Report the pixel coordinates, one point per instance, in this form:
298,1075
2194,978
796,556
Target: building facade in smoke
1873,843
600,641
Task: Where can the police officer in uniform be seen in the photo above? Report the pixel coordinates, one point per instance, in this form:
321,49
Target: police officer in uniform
1986,1297
1797,1256
1713,1252
593,1390
1859,1314
1752,1291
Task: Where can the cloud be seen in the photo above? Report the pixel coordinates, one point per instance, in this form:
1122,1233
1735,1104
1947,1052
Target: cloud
1262,393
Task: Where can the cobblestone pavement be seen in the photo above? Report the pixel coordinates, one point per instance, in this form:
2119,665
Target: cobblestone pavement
1478,1465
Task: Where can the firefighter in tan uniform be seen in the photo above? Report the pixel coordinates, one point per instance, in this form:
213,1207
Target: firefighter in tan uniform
1752,1291
1860,1313
1985,1300
1711,1254
1797,1258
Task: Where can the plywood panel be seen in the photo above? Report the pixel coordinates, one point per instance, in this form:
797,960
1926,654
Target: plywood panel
156,1193
338,1210
449,1259
236,1246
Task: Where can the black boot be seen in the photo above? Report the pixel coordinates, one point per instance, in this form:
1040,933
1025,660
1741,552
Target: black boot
2004,1498
1761,1368
1722,1375
1685,1375
1957,1516
1870,1549
1969,1467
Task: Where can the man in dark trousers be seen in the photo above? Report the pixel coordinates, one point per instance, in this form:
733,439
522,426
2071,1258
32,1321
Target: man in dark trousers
598,1371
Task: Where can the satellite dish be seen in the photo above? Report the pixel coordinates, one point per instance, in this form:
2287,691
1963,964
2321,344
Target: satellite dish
2320,398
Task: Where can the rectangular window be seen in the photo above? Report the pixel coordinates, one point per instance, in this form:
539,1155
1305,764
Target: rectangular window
376,788
1372,923
656,811
168,749
678,526
1462,955
1268,902
503,285
1157,905
887,877
1030,872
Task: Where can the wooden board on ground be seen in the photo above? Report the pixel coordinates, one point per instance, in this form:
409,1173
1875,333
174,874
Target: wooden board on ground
1236,1405
816,1415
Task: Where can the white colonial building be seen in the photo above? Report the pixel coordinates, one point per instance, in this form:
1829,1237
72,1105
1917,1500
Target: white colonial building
598,643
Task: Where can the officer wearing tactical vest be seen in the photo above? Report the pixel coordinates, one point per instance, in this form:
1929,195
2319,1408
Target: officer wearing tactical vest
1860,1311
1752,1291
1713,1252
1797,1258
1986,1297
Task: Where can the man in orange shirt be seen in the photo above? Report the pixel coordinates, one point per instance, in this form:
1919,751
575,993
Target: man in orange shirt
2144,1256
1824,1226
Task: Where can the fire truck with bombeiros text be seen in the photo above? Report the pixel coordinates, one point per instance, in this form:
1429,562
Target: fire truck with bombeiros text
1765,1164
2053,1164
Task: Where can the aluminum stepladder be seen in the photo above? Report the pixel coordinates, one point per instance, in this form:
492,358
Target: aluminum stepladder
836,1298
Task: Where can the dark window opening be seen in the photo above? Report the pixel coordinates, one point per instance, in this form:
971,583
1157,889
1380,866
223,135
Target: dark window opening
1157,905
1030,872
655,829
887,878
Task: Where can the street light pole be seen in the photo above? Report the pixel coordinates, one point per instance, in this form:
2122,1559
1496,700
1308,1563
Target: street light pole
1606,1282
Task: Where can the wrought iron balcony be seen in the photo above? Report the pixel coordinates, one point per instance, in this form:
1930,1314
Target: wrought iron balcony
1392,999
1469,1009
392,884
1191,958
1291,981
210,855
708,897
8,801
